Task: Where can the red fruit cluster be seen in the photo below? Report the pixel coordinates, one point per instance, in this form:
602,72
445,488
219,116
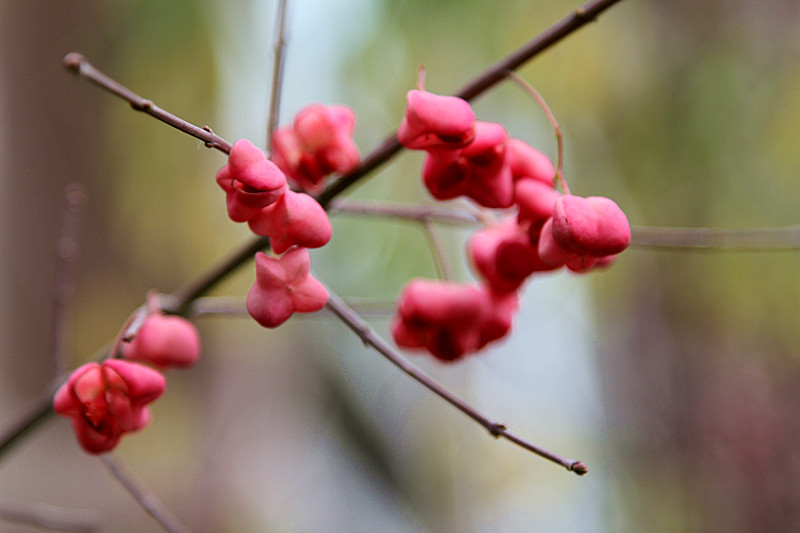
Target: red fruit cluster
109,399
317,144
106,400
549,230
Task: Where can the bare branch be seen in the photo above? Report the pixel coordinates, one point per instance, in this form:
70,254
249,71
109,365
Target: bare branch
422,213
277,73
360,327
78,64
51,517
183,297
144,496
487,79
717,239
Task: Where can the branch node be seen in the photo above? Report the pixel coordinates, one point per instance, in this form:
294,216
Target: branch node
142,105
497,429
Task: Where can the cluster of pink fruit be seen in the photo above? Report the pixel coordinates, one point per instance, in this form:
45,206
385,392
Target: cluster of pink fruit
465,157
108,399
547,231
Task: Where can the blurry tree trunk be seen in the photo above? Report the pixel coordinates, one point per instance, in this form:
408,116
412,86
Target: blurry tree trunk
47,139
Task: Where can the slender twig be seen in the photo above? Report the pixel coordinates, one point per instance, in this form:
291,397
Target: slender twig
38,411
381,154
360,327
491,76
417,212
743,240
233,306
78,64
66,269
45,516
440,258
277,73
144,496
540,101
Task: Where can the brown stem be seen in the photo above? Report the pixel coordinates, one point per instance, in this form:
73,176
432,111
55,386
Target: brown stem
144,496
491,76
390,146
417,212
44,516
559,177
277,73
744,240
360,327
80,66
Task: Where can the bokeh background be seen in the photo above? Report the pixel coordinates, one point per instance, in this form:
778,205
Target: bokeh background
674,375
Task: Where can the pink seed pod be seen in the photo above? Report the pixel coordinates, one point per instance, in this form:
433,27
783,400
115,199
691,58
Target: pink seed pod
536,201
106,400
435,121
165,341
504,307
526,161
250,181
503,256
593,226
549,250
441,317
319,143
283,287
297,219
479,170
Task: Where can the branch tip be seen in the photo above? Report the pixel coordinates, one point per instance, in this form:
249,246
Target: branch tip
579,468
73,61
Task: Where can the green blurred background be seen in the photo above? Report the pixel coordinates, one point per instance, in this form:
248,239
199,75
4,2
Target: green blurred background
674,375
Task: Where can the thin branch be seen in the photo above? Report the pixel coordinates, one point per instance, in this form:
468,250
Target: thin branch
743,240
45,516
381,154
491,76
353,321
417,212
559,178
144,496
66,268
38,411
277,73
80,66
440,257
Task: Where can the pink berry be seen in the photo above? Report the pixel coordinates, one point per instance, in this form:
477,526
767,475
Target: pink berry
297,219
318,143
434,121
503,256
479,170
526,161
250,181
106,400
165,341
536,201
442,317
593,226
283,287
